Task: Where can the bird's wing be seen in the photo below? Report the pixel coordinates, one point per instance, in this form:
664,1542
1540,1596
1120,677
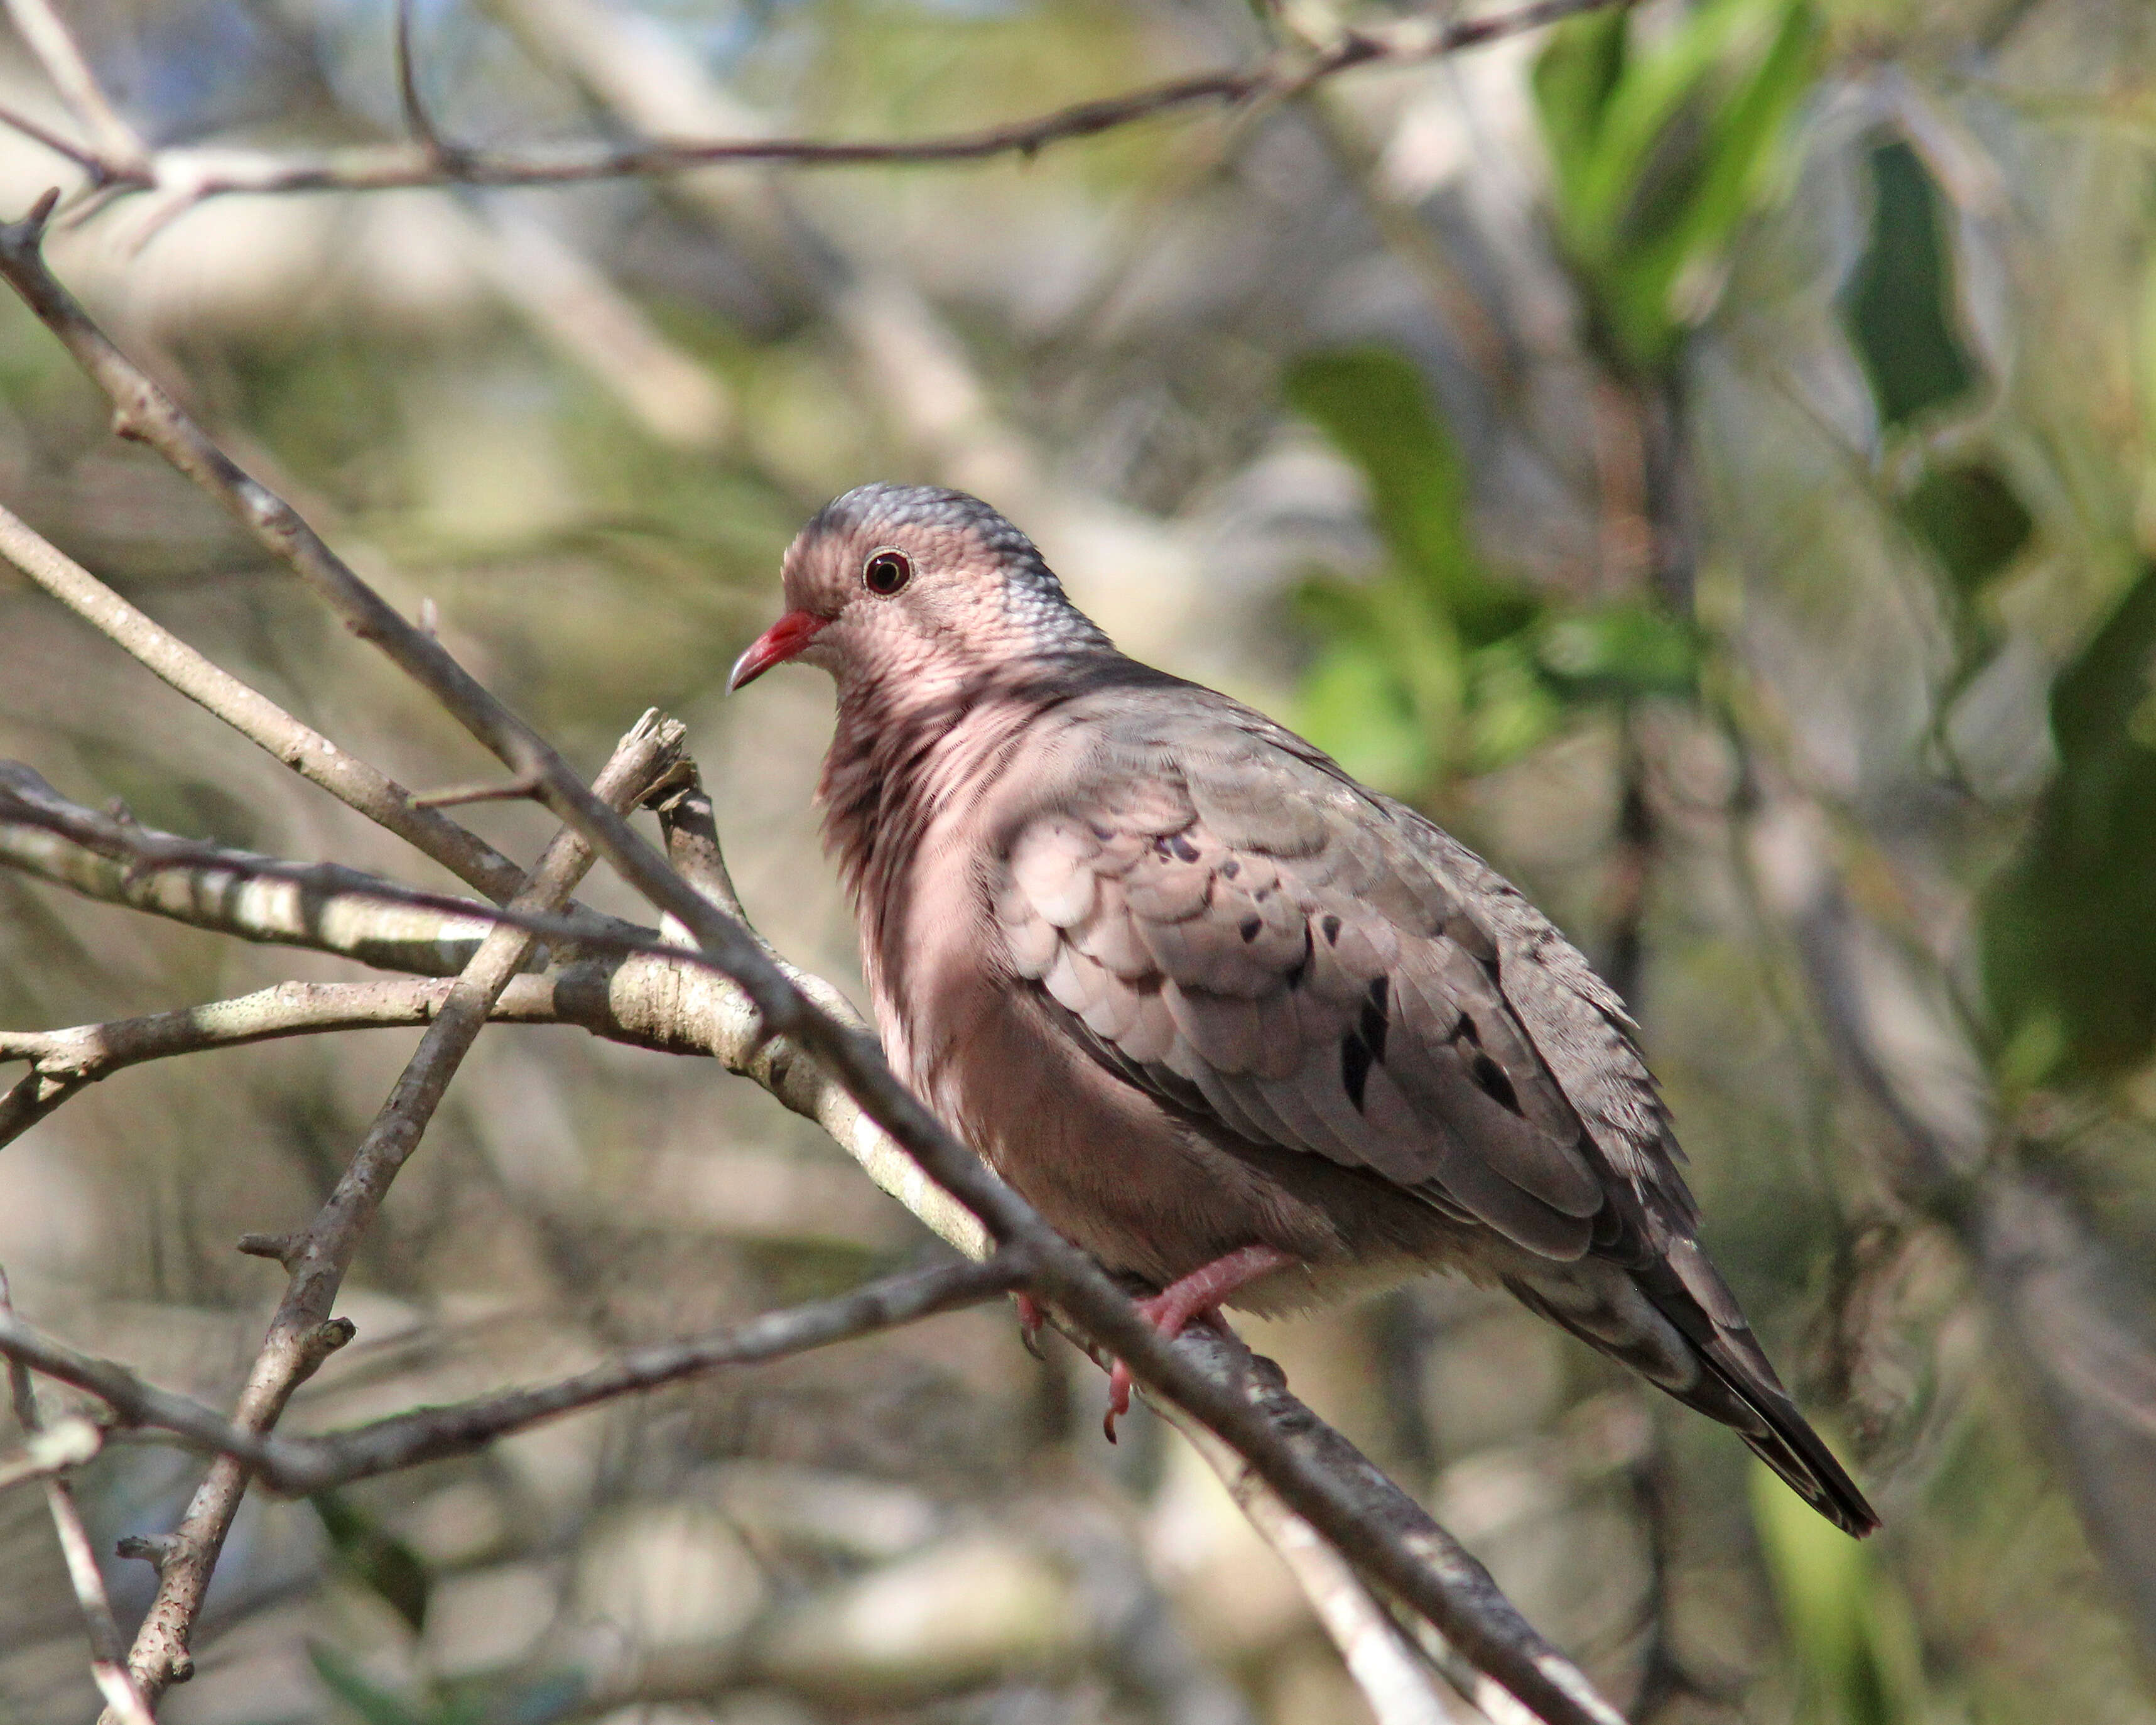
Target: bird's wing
1226,919
1230,922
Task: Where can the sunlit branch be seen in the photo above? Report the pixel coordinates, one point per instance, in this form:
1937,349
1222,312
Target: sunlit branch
301,1331
1332,1489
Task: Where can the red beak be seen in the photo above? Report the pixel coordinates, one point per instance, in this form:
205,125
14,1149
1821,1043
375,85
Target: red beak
784,640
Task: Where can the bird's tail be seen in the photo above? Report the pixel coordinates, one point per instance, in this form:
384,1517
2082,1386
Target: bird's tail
1676,1324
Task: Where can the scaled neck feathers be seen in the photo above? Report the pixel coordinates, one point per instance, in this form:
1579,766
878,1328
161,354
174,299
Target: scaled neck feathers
902,748
903,755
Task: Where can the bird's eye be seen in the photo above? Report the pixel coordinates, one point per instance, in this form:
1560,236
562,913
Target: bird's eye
885,572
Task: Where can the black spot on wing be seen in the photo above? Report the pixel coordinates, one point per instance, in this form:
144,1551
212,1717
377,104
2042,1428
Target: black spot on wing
1354,1066
1495,1084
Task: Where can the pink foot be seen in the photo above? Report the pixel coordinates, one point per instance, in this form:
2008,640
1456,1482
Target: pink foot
1185,1301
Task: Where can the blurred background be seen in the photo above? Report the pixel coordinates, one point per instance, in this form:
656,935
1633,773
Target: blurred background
1700,456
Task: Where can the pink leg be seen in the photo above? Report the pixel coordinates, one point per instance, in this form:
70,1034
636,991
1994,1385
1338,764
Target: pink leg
1196,1295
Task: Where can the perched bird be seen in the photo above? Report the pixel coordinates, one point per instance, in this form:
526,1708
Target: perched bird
1249,1034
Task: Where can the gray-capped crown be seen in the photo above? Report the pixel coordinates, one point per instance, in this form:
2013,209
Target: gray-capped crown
1035,597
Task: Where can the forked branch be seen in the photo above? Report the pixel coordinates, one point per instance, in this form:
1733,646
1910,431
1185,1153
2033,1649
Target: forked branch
300,1467
190,175
1313,1471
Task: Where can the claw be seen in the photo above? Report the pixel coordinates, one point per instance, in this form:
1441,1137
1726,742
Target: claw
1119,1398
1030,1318
1193,1299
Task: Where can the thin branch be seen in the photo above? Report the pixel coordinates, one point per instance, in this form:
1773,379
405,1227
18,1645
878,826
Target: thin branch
1392,1674
64,1062
108,1655
257,718
88,160
120,154
298,1467
416,119
497,791
301,1331
1420,1565
646,999
325,907
193,174
649,993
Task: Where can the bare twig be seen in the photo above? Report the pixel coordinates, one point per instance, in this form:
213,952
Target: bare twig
88,160
301,1331
416,118
326,906
108,1657
650,993
1426,1571
260,899
63,1061
300,1466
119,154
1393,1676
191,175
509,791
912,365
257,718
1449,1585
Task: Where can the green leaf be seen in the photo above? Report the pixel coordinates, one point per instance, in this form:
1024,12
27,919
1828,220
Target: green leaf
1662,151
1972,520
1375,407
374,1557
2069,926
1620,649
1899,304
1351,705
1512,708
1850,1628
1573,81
1386,697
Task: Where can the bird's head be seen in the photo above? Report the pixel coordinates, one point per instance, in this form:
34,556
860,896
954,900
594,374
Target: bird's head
912,581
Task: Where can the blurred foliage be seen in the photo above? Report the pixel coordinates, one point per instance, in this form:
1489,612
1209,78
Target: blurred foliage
1850,1625
373,1556
2070,924
1900,302
1438,666
1718,402
1664,138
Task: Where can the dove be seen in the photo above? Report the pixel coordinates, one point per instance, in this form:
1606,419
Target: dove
1249,1034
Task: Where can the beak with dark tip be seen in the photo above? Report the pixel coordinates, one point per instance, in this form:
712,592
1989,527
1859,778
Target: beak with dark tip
784,640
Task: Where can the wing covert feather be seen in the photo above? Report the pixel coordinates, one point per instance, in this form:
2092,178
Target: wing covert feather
1227,922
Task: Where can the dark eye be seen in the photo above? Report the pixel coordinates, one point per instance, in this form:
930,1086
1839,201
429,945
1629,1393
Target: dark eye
885,572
